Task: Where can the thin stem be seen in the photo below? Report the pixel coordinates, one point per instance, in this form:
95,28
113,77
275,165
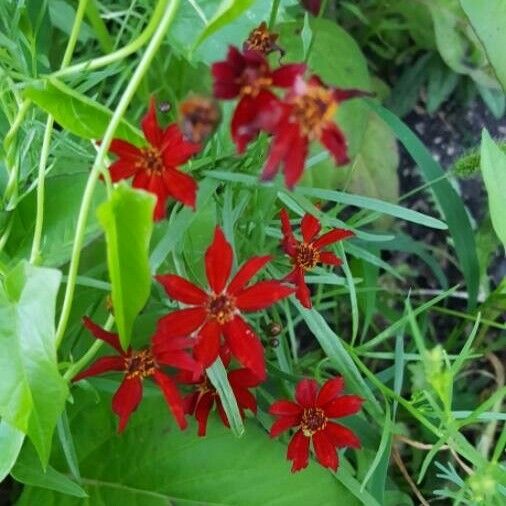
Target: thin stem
274,13
163,25
122,53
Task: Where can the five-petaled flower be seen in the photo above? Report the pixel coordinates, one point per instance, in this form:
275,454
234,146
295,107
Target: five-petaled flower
311,414
200,402
155,167
218,310
309,252
247,75
141,364
308,112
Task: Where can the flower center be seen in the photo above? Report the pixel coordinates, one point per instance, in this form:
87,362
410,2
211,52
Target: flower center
140,364
199,118
205,386
261,40
313,420
221,308
307,256
254,79
151,160
313,109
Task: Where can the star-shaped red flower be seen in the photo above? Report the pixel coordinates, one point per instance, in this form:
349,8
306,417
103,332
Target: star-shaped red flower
155,167
311,414
247,75
141,364
308,113
218,310
309,252
200,402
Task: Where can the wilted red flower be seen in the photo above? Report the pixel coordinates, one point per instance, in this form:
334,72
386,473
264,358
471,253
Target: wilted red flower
200,402
262,40
218,310
313,6
308,253
308,112
311,414
155,167
140,364
248,76
199,117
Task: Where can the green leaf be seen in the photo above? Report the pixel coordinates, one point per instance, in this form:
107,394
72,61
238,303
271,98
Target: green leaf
487,19
77,113
11,441
127,219
32,391
493,168
29,471
181,467
447,198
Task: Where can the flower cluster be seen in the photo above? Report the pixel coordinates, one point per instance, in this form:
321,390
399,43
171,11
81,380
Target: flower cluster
212,321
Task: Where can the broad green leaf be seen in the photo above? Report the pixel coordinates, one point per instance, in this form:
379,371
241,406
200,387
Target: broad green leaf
487,19
11,441
127,219
32,391
78,113
154,464
493,168
29,471
447,198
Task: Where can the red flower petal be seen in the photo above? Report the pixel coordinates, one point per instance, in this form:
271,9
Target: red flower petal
285,76
180,360
150,127
182,322
294,161
261,295
335,235
298,451
172,397
153,184
207,347
180,289
122,169
126,400
326,257
202,410
331,389
218,261
285,408
303,293
161,345
246,272
341,436
305,393
342,95
288,242
245,346
243,378
245,399
283,424
125,150
333,139
222,414
190,402
108,337
285,138
103,364
345,405
175,149
325,451
181,186
309,226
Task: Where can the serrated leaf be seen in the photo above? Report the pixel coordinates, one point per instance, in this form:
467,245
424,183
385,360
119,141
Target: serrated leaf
127,220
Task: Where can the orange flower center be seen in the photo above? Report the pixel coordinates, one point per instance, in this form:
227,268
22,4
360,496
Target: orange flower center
254,80
151,160
140,364
261,40
221,308
307,256
313,420
313,109
205,386
199,118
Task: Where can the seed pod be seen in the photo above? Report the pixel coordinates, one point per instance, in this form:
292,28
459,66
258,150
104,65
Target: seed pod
274,342
274,329
262,40
164,107
199,117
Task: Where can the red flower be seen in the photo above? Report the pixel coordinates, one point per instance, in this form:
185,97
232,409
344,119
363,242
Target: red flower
307,253
218,310
248,76
308,112
138,365
262,40
154,167
311,414
200,402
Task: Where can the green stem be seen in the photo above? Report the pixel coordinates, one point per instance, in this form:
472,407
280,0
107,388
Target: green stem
274,13
46,142
103,37
163,25
122,53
